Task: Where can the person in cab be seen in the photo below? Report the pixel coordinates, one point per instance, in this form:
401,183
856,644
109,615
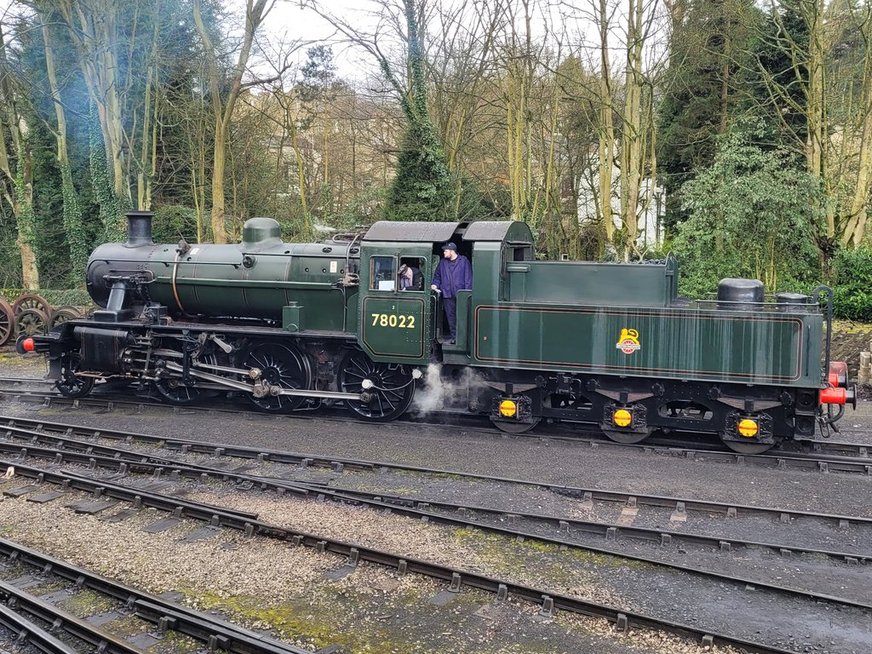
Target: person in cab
453,274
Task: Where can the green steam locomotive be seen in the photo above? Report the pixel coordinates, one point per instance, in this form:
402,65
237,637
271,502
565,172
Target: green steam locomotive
294,325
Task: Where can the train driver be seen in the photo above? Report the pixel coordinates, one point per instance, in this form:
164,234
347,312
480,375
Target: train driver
453,274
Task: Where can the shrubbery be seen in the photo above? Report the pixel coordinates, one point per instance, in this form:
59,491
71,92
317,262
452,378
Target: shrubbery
852,289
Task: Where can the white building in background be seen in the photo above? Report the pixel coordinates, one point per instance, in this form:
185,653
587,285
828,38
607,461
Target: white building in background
652,206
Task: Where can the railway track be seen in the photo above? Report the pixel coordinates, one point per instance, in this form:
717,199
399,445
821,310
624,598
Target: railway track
36,619
26,429
68,449
823,456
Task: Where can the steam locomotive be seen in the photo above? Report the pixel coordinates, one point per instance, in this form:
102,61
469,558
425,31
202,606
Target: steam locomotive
294,325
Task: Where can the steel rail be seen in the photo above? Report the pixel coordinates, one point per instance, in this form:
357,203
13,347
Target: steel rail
30,633
200,626
419,507
730,509
816,455
81,629
217,516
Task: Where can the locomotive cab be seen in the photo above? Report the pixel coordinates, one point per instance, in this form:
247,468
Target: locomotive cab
408,325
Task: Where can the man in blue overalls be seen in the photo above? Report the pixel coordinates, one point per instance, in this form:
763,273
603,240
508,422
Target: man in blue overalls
454,273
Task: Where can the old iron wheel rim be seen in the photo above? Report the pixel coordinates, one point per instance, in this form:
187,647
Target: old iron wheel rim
7,322
510,427
627,437
31,322
62,315
31,301
280,365
173,391
393,388
70,384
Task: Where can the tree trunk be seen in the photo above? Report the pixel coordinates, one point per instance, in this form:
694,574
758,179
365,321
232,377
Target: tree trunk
255,13
606,136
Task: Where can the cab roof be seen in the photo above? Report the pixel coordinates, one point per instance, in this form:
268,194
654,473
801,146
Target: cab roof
427,232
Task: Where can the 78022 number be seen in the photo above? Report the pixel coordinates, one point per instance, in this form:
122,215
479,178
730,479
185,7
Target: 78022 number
393,320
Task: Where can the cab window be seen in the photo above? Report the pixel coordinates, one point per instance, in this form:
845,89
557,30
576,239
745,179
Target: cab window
383,273
411,274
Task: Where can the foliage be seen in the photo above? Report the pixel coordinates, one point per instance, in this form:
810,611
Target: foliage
852,292
422,188
173,222
751,214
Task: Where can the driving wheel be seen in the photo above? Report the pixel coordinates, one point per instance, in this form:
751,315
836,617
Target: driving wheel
386,389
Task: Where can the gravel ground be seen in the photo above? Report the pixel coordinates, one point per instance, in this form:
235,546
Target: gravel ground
307,597
556,462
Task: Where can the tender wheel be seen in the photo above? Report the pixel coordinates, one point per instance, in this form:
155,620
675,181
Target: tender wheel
514,427
31,301
31,322
62,315
747,448
627,437
389,387
70,383
280,365
7,322
173,391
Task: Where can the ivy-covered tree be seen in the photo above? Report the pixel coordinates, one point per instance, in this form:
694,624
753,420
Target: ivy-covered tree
709,49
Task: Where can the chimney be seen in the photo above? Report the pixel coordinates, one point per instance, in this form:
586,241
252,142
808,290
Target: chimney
139,229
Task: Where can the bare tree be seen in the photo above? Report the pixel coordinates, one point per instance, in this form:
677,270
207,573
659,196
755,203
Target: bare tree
223,102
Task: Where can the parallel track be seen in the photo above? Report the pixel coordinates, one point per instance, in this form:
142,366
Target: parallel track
456,577
815,456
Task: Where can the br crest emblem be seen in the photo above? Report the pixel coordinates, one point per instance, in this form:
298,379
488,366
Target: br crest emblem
628,342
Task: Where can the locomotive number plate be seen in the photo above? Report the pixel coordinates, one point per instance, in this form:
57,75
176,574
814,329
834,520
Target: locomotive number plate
393,320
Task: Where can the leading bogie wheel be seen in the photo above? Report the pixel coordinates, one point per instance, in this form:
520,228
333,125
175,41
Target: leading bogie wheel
70,383
7,322
31,322
386,389
31,301
281,366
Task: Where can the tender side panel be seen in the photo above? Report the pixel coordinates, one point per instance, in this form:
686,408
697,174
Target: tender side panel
677,343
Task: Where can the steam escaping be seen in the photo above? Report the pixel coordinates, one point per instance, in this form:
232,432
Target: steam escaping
440,392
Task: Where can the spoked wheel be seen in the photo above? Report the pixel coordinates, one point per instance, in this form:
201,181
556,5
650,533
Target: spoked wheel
70,383
7,322
31,322
174,391
62,315
31,301
627,437
388,388
747,448
514,427
280,365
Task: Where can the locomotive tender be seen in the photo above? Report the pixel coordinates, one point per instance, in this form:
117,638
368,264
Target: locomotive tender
291,326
